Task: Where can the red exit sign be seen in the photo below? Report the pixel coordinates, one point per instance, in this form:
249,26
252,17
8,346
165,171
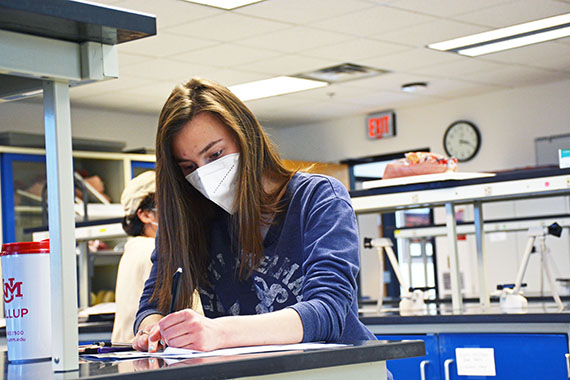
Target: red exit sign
381,125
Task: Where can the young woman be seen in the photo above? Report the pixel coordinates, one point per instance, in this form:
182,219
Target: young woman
273,253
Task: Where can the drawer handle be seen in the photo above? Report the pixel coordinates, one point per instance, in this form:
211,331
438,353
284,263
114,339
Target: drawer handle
423,364
446,365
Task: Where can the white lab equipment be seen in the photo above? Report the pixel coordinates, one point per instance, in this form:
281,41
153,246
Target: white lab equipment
511,299
412,302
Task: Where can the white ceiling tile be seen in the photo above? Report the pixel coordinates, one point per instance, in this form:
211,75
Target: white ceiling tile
302,11
546,55
169,12
229,77
453,88
563,41
517,76
287,64
421,35
373,101
410,59
516,12
288,37
163,69
164,44
226,55
156,90
107,86
459,68
127,59
372,21
118,102
227,27
390,82
445,8
338,92
294,39
354,49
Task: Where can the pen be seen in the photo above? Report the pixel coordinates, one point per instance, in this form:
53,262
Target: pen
175,286
104,350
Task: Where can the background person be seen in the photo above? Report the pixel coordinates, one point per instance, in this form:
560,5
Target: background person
140,224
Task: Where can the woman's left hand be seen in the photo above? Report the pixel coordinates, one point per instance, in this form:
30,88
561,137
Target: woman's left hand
190,330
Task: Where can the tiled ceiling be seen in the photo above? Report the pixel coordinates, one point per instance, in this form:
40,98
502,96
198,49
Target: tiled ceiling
288,37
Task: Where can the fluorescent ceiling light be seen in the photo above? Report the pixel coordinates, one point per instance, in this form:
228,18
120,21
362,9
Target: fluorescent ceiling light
273,87
515,42
508,38
225,4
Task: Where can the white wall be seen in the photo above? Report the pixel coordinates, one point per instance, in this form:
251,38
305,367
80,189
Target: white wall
509,122
135,129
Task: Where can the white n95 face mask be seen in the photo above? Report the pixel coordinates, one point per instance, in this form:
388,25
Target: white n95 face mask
217,181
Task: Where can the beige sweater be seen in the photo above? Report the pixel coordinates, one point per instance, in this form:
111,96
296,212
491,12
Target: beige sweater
133,271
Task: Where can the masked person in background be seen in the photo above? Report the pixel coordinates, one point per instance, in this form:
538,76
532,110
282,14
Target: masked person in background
140,223
273,253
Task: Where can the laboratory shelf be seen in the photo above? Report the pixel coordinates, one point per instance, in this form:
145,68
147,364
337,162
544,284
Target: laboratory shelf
452,189
520,184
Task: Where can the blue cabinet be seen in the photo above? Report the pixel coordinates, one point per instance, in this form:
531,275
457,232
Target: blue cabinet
138,167
23,176
412,368
516,356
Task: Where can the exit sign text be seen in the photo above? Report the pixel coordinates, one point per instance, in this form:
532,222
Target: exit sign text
381,125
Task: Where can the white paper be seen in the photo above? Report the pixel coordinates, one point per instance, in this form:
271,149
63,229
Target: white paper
171,354
181,353
475,361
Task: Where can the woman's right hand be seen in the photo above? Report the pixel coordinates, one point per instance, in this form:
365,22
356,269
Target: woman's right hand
148,339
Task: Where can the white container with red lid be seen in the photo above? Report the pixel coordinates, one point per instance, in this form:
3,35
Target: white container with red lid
27,308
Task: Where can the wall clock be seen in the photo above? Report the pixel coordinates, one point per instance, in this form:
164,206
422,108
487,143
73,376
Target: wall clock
462,140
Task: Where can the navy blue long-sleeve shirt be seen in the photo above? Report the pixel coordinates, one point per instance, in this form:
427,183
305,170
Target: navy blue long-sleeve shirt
310,264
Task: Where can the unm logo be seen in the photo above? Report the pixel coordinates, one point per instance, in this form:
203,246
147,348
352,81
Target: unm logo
11,289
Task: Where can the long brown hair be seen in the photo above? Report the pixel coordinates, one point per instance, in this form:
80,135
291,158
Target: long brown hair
184,213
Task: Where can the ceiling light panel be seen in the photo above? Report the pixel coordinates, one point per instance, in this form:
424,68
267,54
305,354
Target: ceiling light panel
274,86
515,42
225,4
508,38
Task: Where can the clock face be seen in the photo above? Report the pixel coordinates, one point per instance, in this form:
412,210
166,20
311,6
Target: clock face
462,140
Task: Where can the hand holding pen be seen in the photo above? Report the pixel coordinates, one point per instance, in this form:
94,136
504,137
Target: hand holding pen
187,328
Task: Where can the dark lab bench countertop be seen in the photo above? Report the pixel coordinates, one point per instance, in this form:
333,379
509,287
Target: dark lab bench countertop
539,318
537,312
387,319
227,367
